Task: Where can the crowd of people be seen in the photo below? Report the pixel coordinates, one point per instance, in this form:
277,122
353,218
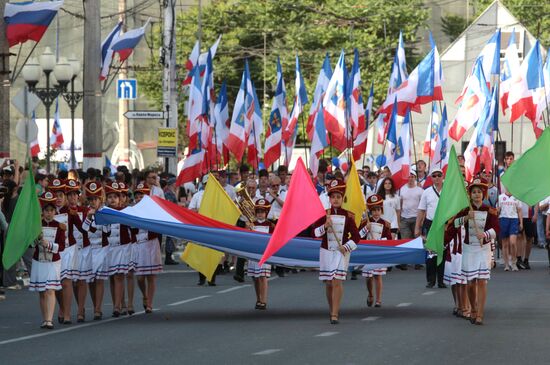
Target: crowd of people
74,256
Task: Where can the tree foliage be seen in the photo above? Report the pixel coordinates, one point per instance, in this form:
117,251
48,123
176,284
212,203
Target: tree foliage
453,25
533,14
308,28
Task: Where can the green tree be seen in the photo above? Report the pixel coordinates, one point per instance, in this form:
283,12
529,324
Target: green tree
308,28
533,14
453,25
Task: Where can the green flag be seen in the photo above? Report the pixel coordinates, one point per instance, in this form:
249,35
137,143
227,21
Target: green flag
453,199
528,179
25,225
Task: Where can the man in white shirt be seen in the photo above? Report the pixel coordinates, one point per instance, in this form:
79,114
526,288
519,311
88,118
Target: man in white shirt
426,212
152,182
511,223
229,189
276,197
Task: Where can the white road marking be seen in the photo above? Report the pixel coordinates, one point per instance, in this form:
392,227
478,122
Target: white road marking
67,329
267,352
326,334
404,305
428,293
188,300
371,318
233,288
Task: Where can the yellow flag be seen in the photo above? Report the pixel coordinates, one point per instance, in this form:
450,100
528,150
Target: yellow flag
215,204
354,200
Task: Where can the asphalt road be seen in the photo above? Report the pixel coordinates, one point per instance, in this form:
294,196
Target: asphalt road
218,325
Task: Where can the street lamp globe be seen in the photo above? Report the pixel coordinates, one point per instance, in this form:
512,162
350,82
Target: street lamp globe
47,60
31,72
75,65
63,72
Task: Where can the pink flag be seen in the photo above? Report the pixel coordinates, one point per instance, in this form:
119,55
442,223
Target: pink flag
301,209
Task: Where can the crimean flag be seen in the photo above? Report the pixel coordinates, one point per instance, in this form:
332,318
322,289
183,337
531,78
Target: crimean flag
302,208
215,204
452,200
533,163
25,225
354,200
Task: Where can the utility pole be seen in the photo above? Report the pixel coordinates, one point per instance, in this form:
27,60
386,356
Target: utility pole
91,108
123,133
5,87
169,92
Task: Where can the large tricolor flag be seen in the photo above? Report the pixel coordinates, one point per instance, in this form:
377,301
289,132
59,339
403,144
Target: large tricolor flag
204,56
192,167
528,88
107,52
29,20
510,70
159,215
56,138
334,104
276,121
472,104
207,112
542,104
317,131
300,100
125,44
241,120
360,142
489,59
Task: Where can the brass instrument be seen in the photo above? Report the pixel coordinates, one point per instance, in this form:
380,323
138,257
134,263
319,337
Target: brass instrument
245,203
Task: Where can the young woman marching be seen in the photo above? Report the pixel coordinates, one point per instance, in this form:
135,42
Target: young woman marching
260,274
46,265
392,205
99,248
148,261
481,225
78,237
119,238
375,229
339,237
124,202
68,256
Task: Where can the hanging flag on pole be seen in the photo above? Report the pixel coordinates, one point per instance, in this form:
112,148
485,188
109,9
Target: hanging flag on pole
300,100
510,70
56,138
322,83
29,20
107,52
240,121
191,63
360,142
125,44
334,103
276,121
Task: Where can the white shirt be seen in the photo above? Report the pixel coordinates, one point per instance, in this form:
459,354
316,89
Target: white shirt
508,206
391,206
230,190
323,197
524,210
275,211
157,191
410,198
196,200
428,202
368,191
260,196
545,202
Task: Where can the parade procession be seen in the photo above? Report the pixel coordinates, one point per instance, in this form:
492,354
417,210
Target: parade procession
391,207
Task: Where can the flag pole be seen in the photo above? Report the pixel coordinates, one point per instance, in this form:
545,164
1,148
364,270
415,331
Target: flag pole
305,139
413,141
17,72
431,126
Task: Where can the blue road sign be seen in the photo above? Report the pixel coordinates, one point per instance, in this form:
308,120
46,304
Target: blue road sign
126,89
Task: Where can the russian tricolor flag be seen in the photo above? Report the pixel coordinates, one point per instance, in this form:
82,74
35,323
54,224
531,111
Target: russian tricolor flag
28,20
125,44
107,52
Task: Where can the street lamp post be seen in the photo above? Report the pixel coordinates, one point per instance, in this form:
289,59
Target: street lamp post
73,98
62,72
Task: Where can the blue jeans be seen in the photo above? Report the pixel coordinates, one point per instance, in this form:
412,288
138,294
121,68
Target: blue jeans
541,234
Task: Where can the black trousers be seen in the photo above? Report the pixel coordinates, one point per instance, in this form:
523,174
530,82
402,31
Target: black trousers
239,267
434,272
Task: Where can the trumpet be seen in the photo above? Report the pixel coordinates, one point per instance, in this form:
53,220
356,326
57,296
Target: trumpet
245,203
